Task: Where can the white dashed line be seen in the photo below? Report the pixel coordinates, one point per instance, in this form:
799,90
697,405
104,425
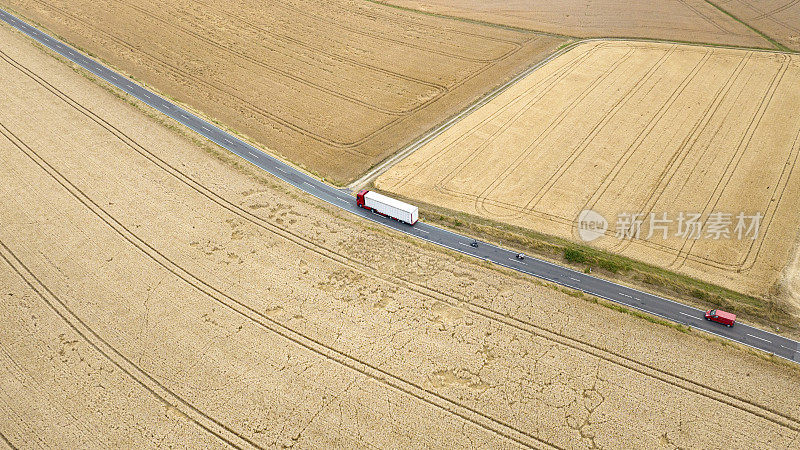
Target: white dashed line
281,170
306,182
689,315
517,261
625,295
787,348
574,279
761,339
252,154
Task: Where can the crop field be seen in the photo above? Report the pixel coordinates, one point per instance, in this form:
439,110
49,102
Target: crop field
333,86
157,292
680,20
779,19
635,128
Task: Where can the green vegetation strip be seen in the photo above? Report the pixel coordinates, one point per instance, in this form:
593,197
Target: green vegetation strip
772,41
765,312
775,44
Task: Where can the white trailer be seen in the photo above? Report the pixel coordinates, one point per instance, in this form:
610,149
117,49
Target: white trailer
388,206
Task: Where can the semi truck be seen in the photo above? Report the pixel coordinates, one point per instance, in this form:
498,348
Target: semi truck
387,206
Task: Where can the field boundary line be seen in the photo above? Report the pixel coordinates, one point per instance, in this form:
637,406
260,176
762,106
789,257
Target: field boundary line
439,129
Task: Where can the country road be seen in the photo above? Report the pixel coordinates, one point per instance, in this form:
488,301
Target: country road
652,304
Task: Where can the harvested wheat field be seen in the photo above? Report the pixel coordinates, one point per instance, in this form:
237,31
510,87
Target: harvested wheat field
635,128
779,19
680,20
335,86
154,292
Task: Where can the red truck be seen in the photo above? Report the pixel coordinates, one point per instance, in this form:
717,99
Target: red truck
722,317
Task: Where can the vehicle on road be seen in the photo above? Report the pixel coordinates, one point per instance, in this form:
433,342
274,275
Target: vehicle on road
474,244
725,318
387,206
520,256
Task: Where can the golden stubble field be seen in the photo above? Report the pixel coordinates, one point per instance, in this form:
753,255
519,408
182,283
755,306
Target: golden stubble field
680,20
335,86
635,128
780,19
153,294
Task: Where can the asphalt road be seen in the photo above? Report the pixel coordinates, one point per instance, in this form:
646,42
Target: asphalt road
668,309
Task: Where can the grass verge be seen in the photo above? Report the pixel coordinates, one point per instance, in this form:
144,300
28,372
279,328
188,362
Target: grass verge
767,313
772,41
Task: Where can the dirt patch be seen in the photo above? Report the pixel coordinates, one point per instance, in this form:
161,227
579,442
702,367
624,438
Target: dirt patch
624,128
678,20
332,86
152,294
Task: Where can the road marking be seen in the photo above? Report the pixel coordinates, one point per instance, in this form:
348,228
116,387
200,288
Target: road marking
575,279
422,231
465,244
227,140
306,182
278,167
205,128
759,338
625,295
517,261
689,315
252,154
787,348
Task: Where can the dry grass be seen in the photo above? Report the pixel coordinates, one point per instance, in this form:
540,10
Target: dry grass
151,295
679,20
640,128
334,86
779,19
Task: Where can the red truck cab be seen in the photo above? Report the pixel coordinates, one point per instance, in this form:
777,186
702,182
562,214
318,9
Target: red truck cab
722,317
360,197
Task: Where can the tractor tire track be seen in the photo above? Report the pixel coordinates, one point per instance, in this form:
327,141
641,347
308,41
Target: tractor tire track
372,371
127,366
553,78
730,167
494,185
